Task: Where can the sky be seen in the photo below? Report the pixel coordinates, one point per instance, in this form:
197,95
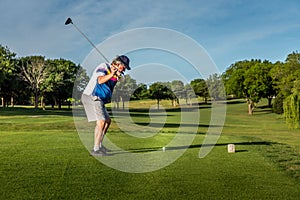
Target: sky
165,39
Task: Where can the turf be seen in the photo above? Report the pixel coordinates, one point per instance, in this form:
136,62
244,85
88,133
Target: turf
42,157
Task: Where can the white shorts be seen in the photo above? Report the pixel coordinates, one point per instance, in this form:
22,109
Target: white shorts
94,108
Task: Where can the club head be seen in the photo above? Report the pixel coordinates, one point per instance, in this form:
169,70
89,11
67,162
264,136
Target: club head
68,21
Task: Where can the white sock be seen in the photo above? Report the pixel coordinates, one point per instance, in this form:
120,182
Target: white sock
96,148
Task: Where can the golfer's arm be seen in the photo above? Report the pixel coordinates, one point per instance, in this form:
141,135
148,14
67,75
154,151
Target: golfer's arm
104,79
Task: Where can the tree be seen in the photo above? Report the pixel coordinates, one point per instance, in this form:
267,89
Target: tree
291,106
258,84
178,88
80,83
190,94
200,88
286,77
177,91
234,78
60,82
251,80
50,79
158,91
216,87
34,72
7,74
141,92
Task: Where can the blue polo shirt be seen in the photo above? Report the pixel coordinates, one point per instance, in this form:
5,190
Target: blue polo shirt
101,91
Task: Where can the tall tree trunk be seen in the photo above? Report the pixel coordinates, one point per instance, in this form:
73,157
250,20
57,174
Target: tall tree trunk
36,101
42,103
117,104
12,101
270,102
3,102
53,103
123,104
250,107
59,104
69,105
174,102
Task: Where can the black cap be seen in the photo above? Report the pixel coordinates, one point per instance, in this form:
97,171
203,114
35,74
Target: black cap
124,60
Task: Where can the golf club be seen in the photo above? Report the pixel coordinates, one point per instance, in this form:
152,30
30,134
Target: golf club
69,21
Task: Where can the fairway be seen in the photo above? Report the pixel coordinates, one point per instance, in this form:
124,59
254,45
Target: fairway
43,157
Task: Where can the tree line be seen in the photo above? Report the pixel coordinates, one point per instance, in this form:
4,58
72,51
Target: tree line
35,80
40,81
256,79
128,89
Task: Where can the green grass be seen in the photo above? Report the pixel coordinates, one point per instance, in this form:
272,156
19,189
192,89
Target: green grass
42,157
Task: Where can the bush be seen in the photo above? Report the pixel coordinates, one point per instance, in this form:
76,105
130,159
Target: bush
278,105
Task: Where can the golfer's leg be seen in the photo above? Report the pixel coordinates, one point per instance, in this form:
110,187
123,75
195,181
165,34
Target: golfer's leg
98,133
106,125
104,130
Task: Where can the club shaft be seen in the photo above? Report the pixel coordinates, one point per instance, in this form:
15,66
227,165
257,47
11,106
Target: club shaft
90,42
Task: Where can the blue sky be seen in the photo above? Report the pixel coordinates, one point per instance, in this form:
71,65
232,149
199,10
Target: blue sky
228,30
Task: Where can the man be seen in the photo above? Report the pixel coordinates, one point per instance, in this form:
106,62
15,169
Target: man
97,93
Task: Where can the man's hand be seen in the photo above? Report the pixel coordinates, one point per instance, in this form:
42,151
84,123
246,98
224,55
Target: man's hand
114,70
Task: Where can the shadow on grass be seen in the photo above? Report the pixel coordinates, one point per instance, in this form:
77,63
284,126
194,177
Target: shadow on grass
176,109
122,114
236,101
174,125
32,111
151,149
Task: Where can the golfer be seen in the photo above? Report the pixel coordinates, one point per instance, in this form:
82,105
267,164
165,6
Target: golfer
97,93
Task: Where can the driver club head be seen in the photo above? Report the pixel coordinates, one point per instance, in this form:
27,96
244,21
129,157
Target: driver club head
68,21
